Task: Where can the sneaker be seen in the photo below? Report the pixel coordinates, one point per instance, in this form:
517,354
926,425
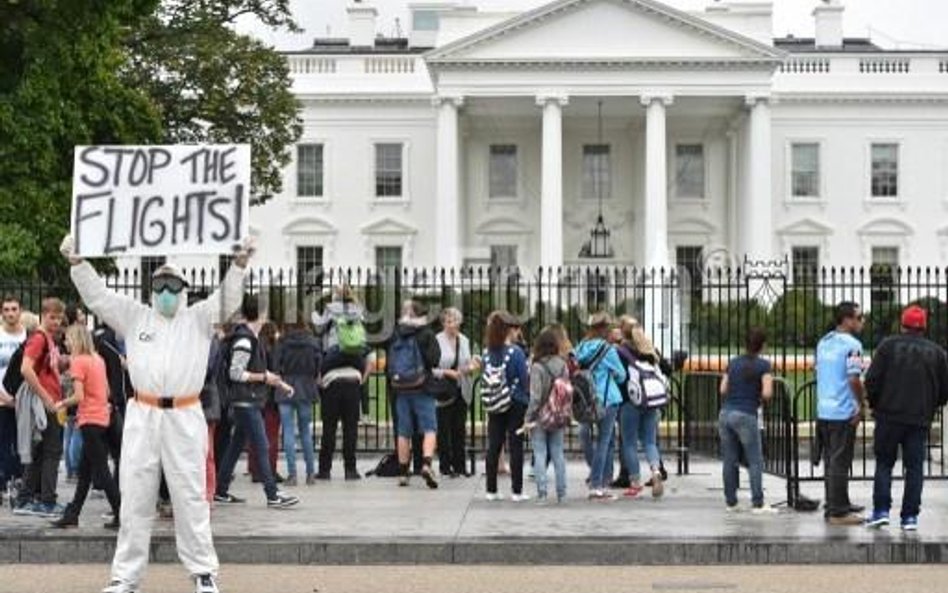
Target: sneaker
310,479
493,497
281,501
429,477
352,475
228,499
658,485
878,519
48,510
519,497
205,583
632,491
601,495
324,476
910,524
24,509
403,480
290,481
733,508
856,508
764,509
116,586
847,520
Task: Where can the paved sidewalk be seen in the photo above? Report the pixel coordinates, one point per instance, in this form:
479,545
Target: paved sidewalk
373,522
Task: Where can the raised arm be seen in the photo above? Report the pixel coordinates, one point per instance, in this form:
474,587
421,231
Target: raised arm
116,310
226,298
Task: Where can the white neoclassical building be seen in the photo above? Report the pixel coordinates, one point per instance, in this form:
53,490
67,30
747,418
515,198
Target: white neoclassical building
487,137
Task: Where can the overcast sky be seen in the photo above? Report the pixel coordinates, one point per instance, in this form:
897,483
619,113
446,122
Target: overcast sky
906,24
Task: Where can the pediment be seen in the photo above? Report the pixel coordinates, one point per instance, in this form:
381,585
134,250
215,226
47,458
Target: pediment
502,226
886,226
309,225
388,226
591,30
806,226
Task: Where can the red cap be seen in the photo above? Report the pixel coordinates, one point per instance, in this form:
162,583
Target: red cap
914,317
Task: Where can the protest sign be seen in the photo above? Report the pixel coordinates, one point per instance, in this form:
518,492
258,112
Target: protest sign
160,200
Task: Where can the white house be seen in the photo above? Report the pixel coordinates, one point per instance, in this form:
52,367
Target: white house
488,137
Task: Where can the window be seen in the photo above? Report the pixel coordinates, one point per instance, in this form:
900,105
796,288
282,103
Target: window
597,171
883,275
503,171
689,170
806,265
388,170
805,170
387,258
309,170
309,264
503,256
885,170
690,259
148,266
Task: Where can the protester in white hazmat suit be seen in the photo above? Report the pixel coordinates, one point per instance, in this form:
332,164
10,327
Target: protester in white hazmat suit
167,352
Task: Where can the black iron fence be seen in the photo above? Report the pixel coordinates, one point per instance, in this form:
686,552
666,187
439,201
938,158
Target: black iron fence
699,321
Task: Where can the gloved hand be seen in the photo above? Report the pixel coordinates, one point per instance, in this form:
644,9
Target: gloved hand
68,249
246,250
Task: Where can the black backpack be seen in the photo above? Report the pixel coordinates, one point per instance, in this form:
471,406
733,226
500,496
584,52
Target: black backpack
221,370
14,375
387,467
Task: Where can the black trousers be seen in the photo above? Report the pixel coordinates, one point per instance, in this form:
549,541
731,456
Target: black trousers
340,401
839,439
39,478
501,427
113,441
451,436
94,468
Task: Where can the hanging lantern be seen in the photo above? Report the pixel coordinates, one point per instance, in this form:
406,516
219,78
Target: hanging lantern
599,245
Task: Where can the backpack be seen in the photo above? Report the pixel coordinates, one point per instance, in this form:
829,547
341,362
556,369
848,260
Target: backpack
387,467
557,410
350,334
221,370
302,363
587,408
14,375
495,393
406,367
647,386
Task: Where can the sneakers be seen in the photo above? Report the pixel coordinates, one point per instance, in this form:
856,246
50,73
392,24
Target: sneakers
48,510
658,486
733,508
290,481
69,518
910,524
281,501
403,480
24,509
847,520
353,475
205,583
878,519
602,495
632,491
764,509
116,586
228,499
428,475
519,497
493,497
310,479
324,476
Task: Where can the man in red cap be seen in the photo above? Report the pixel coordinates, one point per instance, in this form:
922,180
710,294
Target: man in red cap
906,383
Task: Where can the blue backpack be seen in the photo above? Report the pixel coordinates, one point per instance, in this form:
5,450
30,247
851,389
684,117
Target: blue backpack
406,367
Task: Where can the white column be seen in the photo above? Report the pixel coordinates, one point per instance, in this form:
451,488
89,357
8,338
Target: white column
448,233
758,217
656,182
551,183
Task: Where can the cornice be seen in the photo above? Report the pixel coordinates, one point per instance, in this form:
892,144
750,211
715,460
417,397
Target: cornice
863,98
689,63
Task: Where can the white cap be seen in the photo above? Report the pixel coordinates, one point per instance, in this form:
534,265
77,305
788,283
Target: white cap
170,270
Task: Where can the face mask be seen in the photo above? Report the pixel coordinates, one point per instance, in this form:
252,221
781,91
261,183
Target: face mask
166,303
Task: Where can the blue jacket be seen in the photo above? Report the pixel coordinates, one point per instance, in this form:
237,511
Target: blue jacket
517,374
609,373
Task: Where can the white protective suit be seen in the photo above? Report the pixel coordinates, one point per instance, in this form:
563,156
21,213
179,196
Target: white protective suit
167,357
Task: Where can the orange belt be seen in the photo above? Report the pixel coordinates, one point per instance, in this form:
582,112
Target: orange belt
167,403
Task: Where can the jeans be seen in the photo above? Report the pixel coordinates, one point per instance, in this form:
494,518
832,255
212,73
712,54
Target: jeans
340,402
889,436
548,444
739,432
639,425
451,436
248,425
271,427
501,427
603,451
94,469
10,467
589,449
72,446
838,438
303,411
41,475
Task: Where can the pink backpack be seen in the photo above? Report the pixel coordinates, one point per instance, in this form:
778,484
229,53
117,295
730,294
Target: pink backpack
556,412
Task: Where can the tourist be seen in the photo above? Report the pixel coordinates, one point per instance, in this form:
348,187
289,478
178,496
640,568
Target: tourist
839,403
412,356
747,384
600,357
640,419
250,383
72,437
451,386
91,397
906,384
269,334
296,358
40,371
505,381
548,366
12,335
340,325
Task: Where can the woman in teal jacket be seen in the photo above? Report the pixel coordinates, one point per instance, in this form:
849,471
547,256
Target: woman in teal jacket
598,355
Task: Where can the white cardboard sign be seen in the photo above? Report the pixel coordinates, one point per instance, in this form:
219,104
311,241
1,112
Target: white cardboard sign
160,200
